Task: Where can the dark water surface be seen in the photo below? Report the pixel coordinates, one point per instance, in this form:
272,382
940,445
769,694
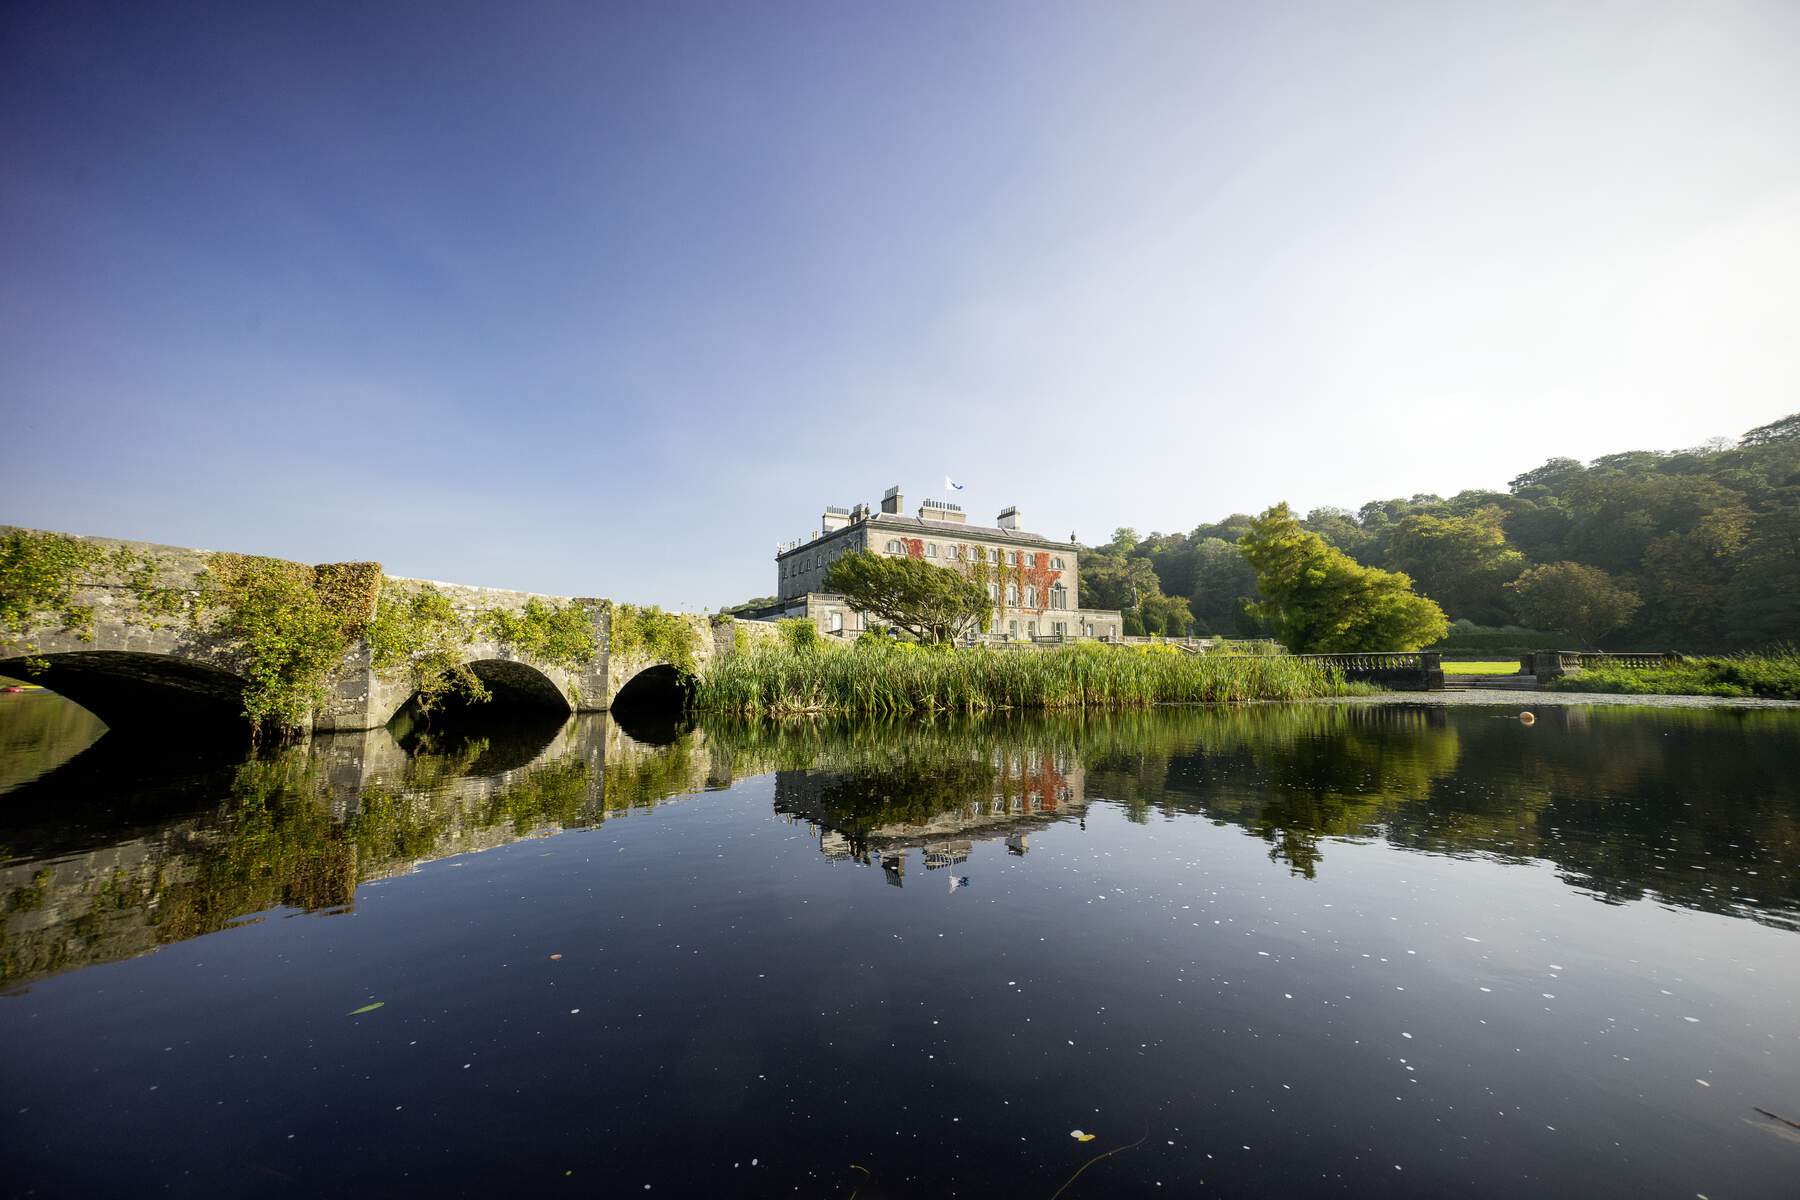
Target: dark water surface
1274,950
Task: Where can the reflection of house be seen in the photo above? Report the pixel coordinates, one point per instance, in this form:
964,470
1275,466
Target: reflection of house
1032,790
1033,582
947,854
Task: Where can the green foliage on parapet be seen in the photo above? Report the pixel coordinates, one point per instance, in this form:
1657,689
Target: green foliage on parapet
41,574
557,634
1772,676
416,627
652,633
285,626
880,678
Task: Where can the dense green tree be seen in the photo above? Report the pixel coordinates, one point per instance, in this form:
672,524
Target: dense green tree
1460,562
1113,580
1342,529
1167,615
1577,599
1764,606
1319,599
1224,582
932,603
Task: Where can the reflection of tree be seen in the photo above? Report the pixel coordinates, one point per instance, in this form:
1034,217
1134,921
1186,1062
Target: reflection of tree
1626,803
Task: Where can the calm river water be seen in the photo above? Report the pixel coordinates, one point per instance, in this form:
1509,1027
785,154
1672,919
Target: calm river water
1272,950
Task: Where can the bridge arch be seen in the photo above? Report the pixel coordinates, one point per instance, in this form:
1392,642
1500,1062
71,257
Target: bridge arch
659,686
513,687
138,689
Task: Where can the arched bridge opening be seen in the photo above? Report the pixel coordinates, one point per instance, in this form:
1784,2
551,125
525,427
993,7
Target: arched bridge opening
139,693
652,705
521,702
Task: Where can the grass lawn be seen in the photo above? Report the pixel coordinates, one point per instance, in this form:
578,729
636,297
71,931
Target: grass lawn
1507,667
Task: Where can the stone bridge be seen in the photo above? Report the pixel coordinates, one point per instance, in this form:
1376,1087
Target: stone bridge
146,655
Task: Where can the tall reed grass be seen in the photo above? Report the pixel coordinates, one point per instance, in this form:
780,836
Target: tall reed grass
877,680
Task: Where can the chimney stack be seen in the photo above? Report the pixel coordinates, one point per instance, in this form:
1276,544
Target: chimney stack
1009,517
892,501
834,518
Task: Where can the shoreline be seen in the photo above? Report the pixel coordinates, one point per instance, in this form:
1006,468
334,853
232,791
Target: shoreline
1500,698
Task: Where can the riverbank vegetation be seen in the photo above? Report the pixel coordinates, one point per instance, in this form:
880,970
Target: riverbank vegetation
1773,676
875,677
1694,549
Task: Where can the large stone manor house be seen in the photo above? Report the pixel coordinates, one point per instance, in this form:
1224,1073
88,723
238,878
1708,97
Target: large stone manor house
1034,582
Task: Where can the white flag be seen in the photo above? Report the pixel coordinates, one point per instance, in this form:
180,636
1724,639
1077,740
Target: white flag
950,485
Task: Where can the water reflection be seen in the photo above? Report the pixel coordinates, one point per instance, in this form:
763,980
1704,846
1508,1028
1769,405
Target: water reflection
120,851
1696,808
125,847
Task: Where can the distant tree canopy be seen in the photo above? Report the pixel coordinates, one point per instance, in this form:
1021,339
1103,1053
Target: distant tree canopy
1707,539
926,600
1574,598
1461,562
1320,600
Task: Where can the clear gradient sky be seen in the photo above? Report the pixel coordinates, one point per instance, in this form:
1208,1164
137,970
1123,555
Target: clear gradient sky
607,300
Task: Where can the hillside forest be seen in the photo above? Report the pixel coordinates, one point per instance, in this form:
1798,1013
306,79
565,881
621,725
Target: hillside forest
1695,550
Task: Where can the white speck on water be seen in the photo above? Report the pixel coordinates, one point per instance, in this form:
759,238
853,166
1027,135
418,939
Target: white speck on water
1407,1036
1702,1083
1692,1020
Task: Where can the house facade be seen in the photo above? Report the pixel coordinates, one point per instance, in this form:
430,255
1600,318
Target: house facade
1033,582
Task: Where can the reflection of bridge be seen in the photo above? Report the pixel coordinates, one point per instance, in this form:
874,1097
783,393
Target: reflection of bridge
143,657
302,829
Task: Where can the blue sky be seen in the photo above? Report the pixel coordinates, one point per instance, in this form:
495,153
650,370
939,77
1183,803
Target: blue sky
608,300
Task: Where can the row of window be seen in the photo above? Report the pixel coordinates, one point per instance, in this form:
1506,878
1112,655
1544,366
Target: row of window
1059,595
806,562
957,553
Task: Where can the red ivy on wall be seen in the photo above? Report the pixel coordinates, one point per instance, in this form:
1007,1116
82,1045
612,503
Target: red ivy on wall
1042,577
915,547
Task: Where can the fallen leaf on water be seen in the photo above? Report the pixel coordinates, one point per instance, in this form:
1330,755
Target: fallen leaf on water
554,957
367,1008
1080,1136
